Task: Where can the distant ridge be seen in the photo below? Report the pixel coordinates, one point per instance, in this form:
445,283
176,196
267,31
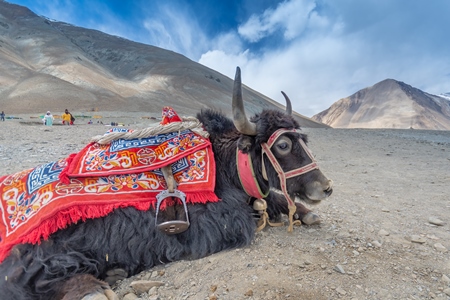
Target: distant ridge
51,65
388,104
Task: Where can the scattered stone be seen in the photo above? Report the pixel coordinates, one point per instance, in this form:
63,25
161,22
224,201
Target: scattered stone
249,293
153,291
417,239
130,296
385,209
439,247
432,237
445,278
376,244
143,286
447,291
383,232
341,291
338,268
435,221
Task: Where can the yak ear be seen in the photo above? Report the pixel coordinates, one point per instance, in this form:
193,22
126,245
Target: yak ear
244,143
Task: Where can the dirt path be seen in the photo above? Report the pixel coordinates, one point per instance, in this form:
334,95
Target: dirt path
376,240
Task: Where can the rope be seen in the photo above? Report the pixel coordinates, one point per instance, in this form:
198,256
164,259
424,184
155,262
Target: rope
187,123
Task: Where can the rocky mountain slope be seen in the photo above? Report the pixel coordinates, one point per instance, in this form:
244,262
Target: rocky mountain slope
50,65
389,104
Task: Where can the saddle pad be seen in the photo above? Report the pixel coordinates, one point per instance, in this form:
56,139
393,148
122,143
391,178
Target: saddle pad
133,156
100,178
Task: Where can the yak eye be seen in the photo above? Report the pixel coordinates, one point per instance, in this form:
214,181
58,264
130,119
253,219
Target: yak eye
284,145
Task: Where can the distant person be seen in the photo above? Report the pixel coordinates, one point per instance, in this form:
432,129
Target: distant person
2,116
67,117
48,119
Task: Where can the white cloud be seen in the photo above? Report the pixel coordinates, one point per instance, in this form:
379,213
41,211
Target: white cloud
175,30
289,16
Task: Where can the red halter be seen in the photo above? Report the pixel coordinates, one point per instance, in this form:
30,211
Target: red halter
248,178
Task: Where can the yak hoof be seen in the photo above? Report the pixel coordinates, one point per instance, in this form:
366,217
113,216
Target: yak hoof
311,219
115,274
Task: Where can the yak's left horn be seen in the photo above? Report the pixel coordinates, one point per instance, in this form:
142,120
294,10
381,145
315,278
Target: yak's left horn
288,104
240,120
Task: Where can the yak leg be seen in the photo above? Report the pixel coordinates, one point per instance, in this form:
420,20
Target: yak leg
86,287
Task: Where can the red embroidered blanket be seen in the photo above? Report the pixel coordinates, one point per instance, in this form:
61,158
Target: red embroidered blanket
100,178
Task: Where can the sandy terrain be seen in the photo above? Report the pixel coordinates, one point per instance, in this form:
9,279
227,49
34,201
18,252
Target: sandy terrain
376,240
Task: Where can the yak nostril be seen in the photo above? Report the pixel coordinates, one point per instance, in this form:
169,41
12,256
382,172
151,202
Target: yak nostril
328,191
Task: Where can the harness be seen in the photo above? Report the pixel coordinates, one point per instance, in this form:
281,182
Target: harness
250,184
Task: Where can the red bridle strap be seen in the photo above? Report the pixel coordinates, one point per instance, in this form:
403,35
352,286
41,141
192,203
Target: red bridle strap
285,175
247,176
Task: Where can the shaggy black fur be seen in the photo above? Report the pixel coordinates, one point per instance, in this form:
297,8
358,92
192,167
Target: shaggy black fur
128,238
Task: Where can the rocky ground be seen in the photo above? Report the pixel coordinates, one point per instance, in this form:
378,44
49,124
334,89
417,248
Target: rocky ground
385,231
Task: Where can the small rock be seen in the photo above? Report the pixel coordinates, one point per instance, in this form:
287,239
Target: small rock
249,293
417,239
435,221
439,247
385,209
341,291
447,291
154,274
432,237
130,296
383,232
338,268
143,286
445,278
376,244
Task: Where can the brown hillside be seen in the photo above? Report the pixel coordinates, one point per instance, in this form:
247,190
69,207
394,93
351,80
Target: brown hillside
50,65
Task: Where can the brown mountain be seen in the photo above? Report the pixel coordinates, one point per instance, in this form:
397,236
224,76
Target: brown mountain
50,65
389,104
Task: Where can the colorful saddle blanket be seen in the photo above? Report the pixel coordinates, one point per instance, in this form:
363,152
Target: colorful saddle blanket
100,178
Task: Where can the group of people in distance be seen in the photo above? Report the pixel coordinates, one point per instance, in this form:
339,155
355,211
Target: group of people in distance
67,118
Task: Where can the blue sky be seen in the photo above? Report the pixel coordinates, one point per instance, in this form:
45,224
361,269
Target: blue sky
317,51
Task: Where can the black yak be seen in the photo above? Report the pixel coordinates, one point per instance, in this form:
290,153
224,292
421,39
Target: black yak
72,263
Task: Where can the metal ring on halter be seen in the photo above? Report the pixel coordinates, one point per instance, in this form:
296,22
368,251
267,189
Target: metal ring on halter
174,226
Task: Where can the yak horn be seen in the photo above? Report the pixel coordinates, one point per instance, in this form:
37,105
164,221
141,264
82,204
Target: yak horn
288,104
240,120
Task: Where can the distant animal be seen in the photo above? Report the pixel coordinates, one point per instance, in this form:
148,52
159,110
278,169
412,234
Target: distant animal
76,262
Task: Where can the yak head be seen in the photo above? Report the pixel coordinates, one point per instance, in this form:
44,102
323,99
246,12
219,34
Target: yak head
278,149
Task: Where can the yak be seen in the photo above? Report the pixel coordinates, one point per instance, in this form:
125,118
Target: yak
71,264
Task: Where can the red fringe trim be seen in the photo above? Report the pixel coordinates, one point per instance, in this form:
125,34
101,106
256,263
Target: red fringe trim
72,215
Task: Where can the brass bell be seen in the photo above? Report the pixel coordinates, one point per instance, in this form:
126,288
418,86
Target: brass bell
260,205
